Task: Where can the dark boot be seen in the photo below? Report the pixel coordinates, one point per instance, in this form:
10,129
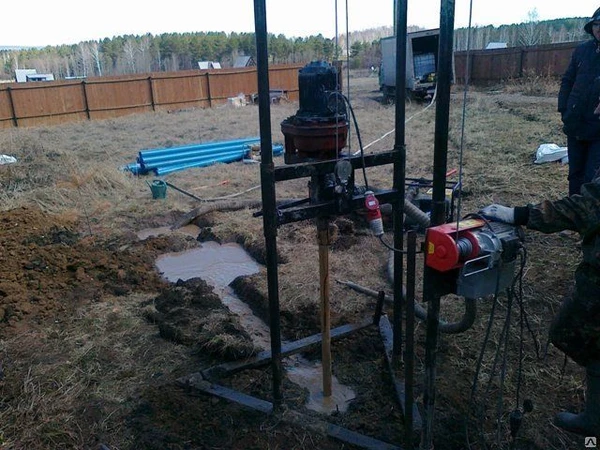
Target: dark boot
586,423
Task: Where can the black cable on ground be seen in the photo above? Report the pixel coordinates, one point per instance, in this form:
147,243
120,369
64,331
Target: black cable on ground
478,367
500,404
516,415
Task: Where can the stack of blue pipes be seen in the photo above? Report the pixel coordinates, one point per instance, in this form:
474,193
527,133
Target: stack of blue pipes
166,160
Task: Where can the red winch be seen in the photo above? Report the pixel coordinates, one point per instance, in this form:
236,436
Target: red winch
483,253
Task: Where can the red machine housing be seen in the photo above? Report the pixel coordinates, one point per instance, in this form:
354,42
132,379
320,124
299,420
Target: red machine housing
442,250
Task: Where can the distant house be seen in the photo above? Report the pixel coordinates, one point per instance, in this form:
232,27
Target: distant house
24,75
204,65
40,77
494,45
244,61
21,74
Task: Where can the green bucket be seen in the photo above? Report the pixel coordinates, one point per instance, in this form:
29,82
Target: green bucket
158,188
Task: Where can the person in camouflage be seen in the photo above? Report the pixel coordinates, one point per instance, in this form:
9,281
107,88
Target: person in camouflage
576,327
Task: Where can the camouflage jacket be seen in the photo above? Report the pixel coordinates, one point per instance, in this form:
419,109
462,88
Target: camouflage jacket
579,213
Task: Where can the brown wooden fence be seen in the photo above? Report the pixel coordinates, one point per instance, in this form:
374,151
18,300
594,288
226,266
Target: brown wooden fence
490,66
55,102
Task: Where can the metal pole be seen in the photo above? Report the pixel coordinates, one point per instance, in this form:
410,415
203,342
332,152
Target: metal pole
409,354
399,175
438,214
267,169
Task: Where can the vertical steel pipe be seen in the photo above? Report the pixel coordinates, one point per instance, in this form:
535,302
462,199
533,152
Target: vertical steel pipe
438,214
399,173
409,354
267,170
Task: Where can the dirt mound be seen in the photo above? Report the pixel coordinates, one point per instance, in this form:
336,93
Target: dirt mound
190,313
61,268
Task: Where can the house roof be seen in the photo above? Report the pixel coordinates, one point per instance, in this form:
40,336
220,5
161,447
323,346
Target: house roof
208,65
493,45
243,61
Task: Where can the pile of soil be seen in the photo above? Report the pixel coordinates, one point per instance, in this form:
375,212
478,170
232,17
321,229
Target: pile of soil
62,269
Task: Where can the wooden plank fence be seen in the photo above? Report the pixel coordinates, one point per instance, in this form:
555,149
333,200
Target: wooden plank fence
497,65
55,102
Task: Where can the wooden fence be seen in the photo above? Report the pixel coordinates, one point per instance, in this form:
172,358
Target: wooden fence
491,66
55,102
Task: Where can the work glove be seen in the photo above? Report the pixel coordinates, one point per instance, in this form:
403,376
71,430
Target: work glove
499,213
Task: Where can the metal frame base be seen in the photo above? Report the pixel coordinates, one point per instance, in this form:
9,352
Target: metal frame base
205,381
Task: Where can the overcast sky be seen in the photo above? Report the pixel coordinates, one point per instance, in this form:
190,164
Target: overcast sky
43,22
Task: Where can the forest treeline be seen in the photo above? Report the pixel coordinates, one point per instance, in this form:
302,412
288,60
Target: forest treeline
182,51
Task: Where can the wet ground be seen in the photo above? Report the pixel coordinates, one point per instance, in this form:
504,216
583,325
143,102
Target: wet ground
65,272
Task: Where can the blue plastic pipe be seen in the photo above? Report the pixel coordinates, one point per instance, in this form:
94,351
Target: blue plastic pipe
191,153
182,159
174,150
207,162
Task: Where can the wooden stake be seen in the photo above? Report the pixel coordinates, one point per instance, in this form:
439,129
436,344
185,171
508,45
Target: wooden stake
324,240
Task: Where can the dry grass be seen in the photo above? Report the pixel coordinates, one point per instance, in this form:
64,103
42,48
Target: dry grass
95,362
90,364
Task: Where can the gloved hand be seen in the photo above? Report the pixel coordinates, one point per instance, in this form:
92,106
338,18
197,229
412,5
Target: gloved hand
499,213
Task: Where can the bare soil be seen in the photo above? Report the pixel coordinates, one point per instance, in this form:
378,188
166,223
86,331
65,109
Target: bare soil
93,340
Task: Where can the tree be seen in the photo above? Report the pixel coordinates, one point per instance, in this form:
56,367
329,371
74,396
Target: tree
530,33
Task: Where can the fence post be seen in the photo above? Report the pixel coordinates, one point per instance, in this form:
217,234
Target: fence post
12,106
208,89
469,67
521,59
152,93
85,100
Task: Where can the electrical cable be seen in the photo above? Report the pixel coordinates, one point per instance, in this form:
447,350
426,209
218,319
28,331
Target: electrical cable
225,197
392,248
521,336
405,122
516,415
358,137
337,58
500,403
464,112
525,315
478,365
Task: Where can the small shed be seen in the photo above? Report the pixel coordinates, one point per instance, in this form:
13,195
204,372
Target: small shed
22,74
40,77
244,61
204,65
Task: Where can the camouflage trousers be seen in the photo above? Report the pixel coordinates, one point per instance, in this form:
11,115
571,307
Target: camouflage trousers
576,327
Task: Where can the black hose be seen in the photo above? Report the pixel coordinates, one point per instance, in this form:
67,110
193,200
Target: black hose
461,326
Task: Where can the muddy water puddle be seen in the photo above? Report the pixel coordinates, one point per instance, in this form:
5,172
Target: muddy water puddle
216,264
219,265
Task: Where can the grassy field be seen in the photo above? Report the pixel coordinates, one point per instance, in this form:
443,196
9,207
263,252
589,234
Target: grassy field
92,339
